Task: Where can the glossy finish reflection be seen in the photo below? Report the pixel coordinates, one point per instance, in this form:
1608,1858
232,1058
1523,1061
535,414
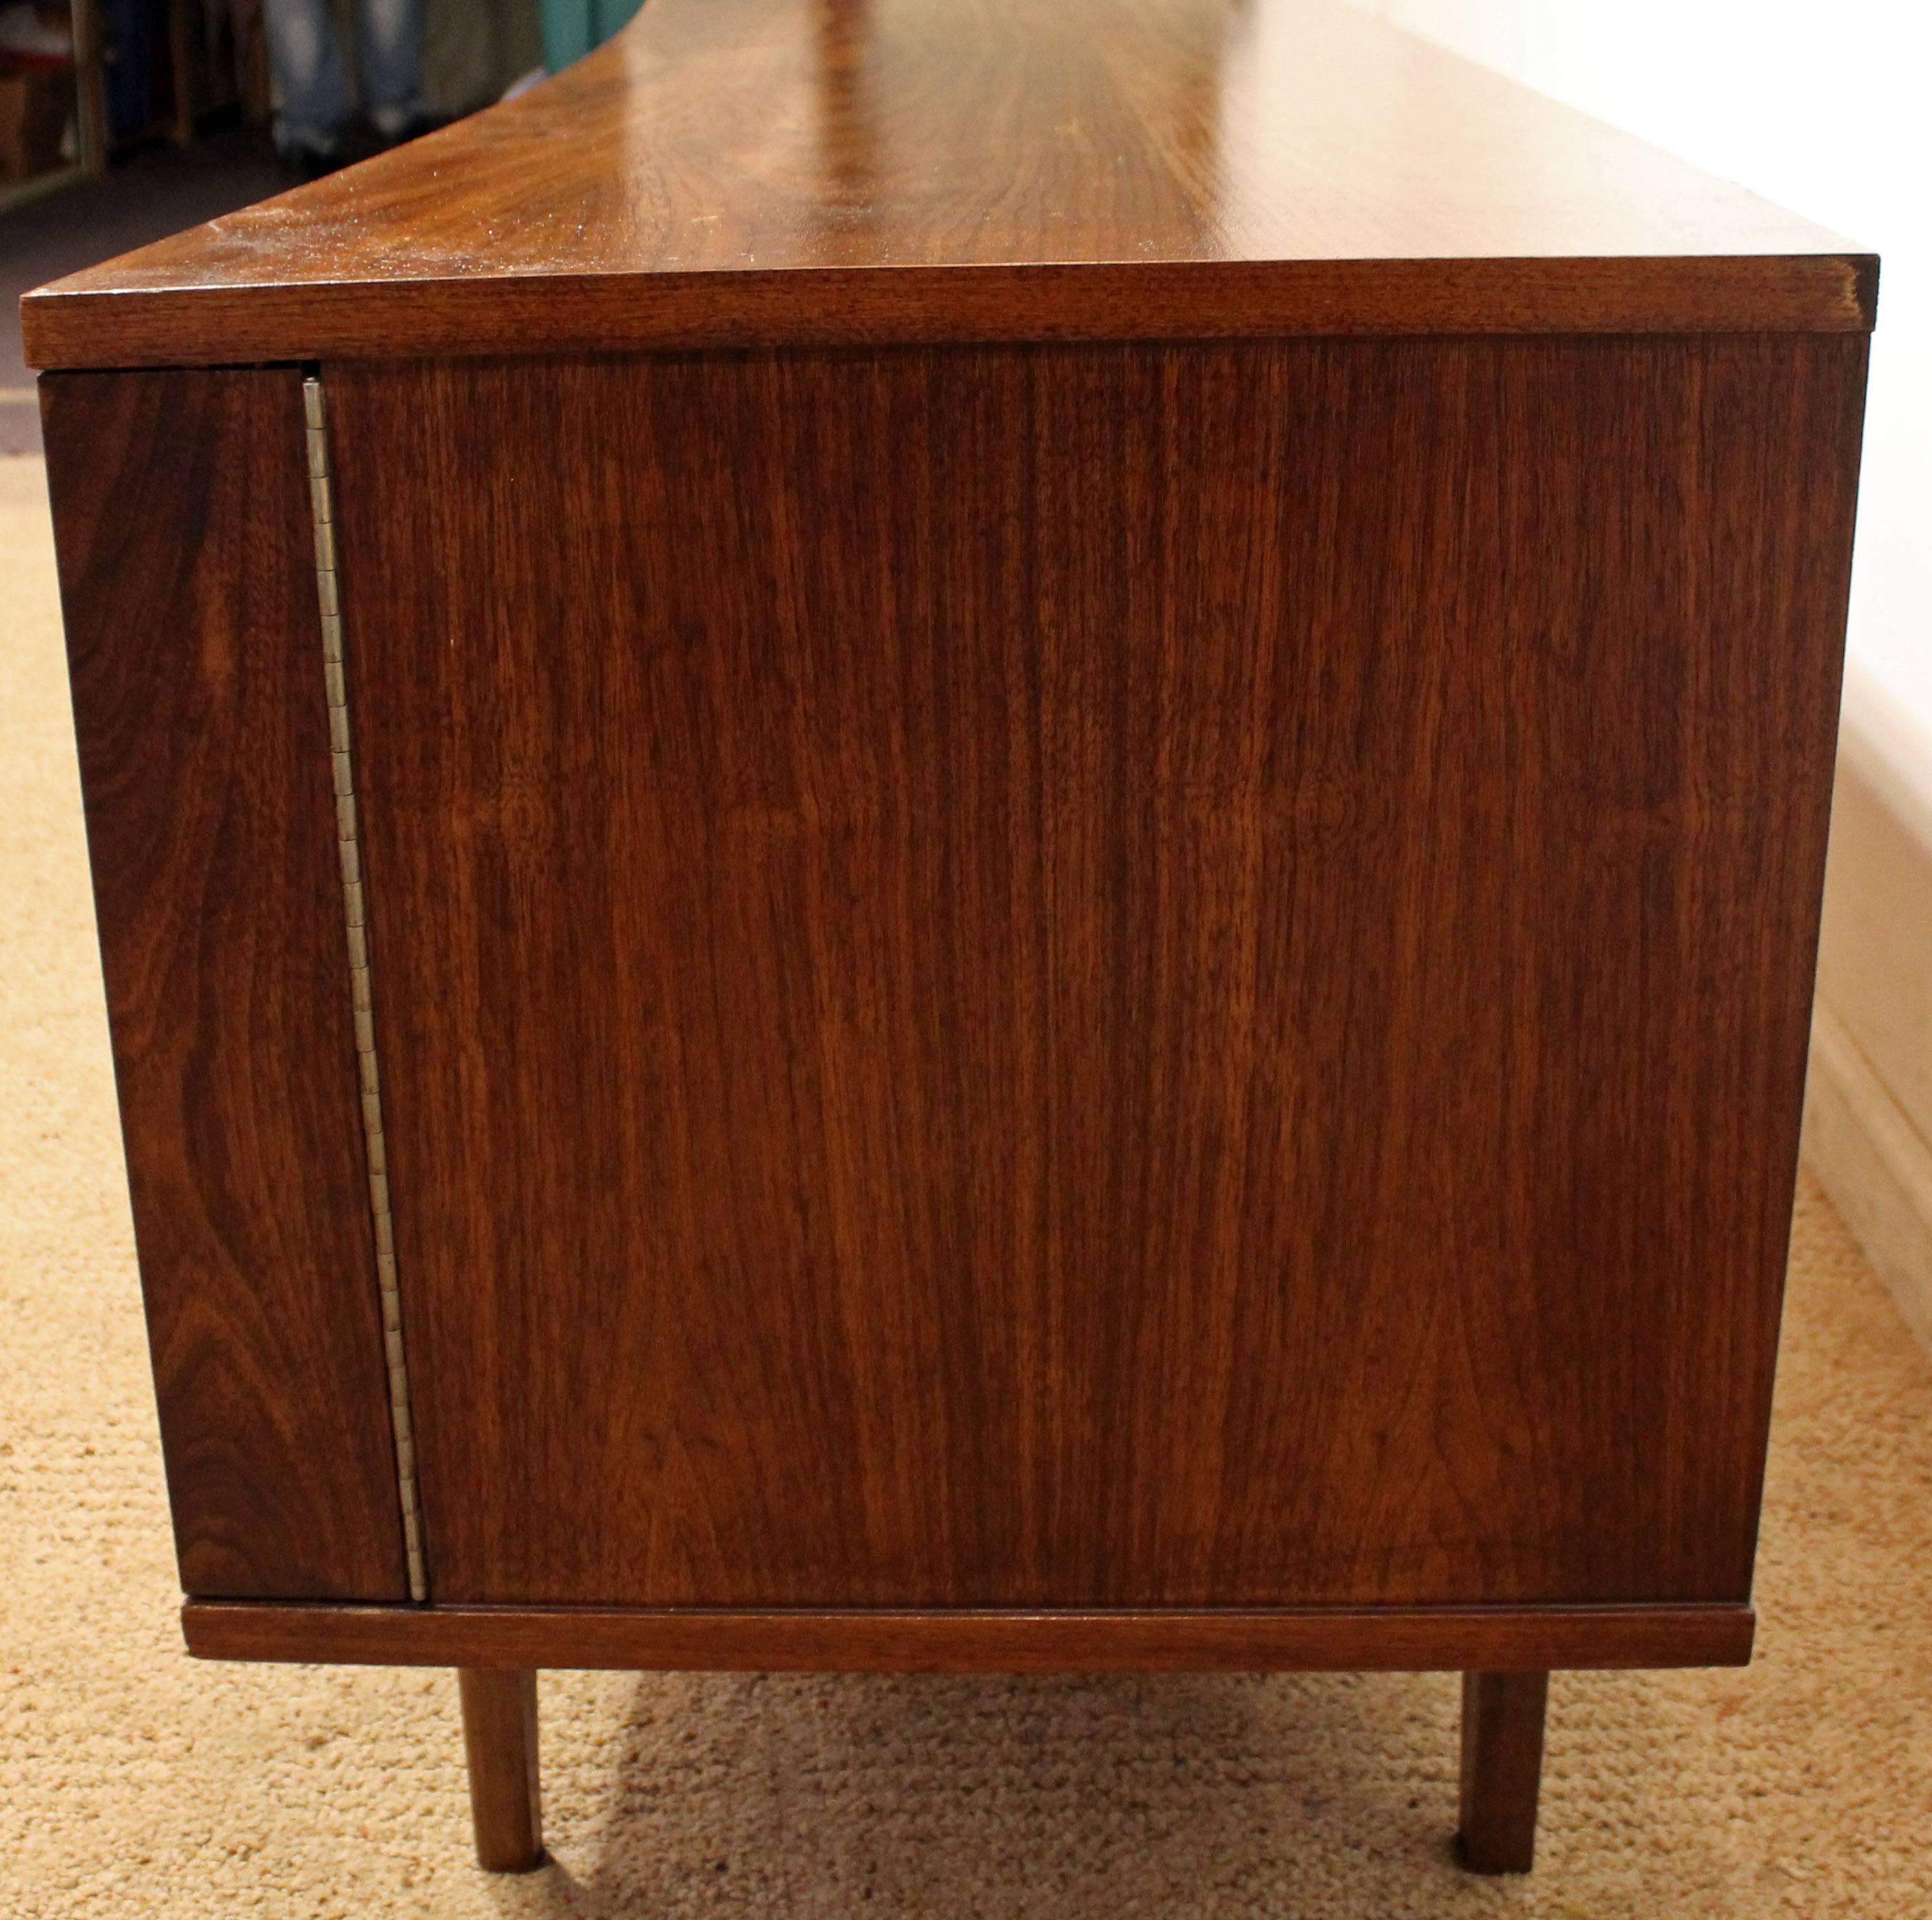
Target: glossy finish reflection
754,137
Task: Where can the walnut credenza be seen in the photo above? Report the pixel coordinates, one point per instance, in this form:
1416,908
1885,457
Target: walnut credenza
969,834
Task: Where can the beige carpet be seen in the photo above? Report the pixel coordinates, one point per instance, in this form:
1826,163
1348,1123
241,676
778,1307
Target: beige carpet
135,1781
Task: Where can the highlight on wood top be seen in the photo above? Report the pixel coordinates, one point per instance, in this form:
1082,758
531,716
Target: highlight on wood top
866,172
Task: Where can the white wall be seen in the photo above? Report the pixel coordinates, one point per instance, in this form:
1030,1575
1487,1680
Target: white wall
1826,107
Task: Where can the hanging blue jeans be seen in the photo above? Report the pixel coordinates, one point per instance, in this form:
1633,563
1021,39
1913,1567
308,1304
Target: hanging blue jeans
313,106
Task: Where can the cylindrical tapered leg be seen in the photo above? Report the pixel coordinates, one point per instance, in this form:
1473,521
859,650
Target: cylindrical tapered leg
499,1736
1502,1769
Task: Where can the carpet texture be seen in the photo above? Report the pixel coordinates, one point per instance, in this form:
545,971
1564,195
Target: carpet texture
133,1780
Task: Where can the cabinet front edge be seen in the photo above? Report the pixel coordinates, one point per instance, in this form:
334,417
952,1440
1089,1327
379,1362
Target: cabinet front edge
964,1640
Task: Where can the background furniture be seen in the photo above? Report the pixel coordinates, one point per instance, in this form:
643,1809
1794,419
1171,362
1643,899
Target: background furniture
967,836
142,69
35,108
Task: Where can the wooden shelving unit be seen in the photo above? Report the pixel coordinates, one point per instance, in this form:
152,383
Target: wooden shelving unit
195,88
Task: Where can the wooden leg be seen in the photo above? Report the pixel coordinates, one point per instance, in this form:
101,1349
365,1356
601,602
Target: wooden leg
90,80
499,1736
181,57
1502,1768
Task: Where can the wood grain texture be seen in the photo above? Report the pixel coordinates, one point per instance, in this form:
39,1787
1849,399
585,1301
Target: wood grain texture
817,172
1116,977
499,1744
187,576
1501,1770
964,1641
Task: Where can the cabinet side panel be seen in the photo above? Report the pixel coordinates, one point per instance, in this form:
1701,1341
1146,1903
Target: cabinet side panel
187,576
1141,976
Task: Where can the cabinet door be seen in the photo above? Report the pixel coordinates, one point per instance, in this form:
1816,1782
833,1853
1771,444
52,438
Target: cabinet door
188,569
1145,976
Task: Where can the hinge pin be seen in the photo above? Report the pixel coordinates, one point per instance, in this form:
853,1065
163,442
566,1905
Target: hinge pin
343,775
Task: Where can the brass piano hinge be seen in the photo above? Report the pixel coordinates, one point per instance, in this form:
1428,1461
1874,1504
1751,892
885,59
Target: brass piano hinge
349,846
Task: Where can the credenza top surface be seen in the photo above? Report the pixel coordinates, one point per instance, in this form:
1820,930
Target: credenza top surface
761,171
